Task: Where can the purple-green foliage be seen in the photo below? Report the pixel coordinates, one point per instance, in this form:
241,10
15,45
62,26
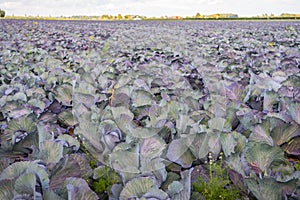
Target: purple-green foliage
148,99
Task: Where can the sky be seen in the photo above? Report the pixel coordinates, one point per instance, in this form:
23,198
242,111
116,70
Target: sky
155,8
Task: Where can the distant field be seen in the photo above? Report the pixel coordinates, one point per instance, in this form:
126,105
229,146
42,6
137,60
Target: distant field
149,109
115,18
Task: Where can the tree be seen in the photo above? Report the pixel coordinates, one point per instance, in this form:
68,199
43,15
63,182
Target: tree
198,15
2,13
105,17
120,17
129,17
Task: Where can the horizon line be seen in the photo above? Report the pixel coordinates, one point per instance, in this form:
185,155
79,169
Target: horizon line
148,16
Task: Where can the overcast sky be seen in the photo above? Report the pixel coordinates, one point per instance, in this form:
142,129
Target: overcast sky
148,7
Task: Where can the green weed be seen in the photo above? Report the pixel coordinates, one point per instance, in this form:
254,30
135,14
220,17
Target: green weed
219,185
106,178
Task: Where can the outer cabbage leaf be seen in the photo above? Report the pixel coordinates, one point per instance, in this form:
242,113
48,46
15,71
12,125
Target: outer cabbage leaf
50,195
19,96
84,98
292,147
71,141
24,124
186,182
25,184
15,170
7,189
155,167
125,161
152,147
155,193
77,189
235,91
199,144
284,133
142,133
137,187
74,165
110,133
119,111
269,100
234,162
294,111
241,142
237,180
88,130
116,190
66,118
264,189
123,118
264,155
228,143
179,152
261,134
141,98
182,123
217,123
50,151
19,168
63,93
171,177
214,143
174,188
248,118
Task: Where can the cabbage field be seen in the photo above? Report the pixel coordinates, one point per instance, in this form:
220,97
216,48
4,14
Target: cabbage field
149,110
